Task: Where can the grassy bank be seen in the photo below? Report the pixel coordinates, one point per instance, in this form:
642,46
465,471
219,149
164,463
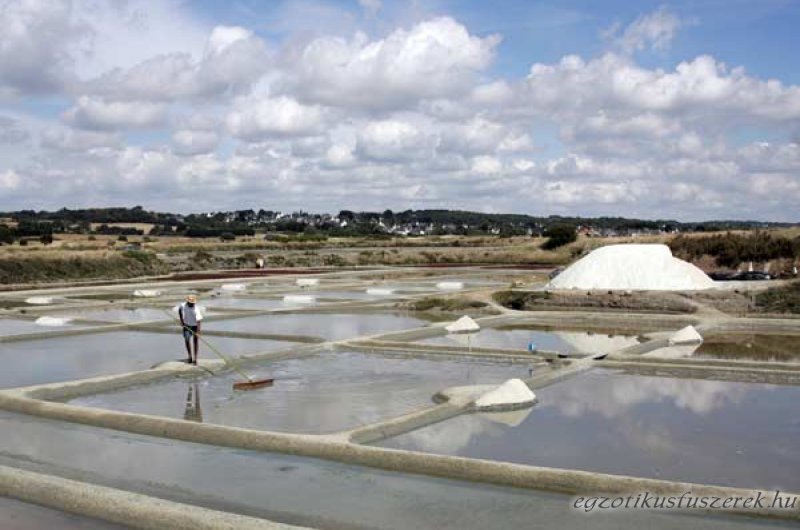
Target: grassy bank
780,299
50,267
543,300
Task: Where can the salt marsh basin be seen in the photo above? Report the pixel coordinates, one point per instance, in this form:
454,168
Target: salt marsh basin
732,434
316,394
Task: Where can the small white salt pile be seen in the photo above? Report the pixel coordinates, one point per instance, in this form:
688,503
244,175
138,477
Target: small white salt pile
463,325
39,300
687,335
299,299
595,343
146,293
632,267
52,321
511,394
307,282
673,352
380,291
233,287
450,286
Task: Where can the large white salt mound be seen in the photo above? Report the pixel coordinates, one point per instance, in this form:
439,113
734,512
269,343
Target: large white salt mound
687,335
463,325
635,267
511,394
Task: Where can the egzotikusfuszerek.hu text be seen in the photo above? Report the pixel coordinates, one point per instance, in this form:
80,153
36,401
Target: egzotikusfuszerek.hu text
687,501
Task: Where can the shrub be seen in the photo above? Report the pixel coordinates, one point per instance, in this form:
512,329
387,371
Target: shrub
559,235
730,250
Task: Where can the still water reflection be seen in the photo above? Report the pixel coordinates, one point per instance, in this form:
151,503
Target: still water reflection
734,434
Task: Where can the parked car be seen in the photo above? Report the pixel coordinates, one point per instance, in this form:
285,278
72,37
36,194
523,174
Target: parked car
749,276
720,276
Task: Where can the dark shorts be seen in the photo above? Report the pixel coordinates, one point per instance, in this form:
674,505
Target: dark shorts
188,331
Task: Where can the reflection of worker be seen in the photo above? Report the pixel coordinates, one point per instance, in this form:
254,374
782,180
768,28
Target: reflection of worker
192,411
191,315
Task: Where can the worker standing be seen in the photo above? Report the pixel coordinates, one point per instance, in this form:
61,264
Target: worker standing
191,315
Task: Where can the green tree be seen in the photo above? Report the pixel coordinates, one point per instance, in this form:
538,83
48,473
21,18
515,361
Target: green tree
559,235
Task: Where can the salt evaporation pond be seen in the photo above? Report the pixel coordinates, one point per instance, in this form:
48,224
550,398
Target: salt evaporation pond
322,393
331,326
120,314
348,295
278,487
19,326
751,347
561,341
76,357
229,302
733,434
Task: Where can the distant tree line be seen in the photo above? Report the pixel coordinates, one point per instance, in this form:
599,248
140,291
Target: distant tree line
344,224
730,250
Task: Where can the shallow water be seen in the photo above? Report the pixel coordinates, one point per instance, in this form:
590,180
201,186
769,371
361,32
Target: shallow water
323,393
331,326
244,303
734,346
119,314
64,358
348,295
566,341
734,434
18,326
303,491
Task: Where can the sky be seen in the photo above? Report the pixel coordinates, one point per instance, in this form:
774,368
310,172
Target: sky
686,110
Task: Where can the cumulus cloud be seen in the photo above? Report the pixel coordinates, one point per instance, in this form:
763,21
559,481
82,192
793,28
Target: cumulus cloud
234,59
434,58
194,142
653,30
701,86
96,113
11,132
393,141
257,118
370,7
414,117
10,180
35,39
68,139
